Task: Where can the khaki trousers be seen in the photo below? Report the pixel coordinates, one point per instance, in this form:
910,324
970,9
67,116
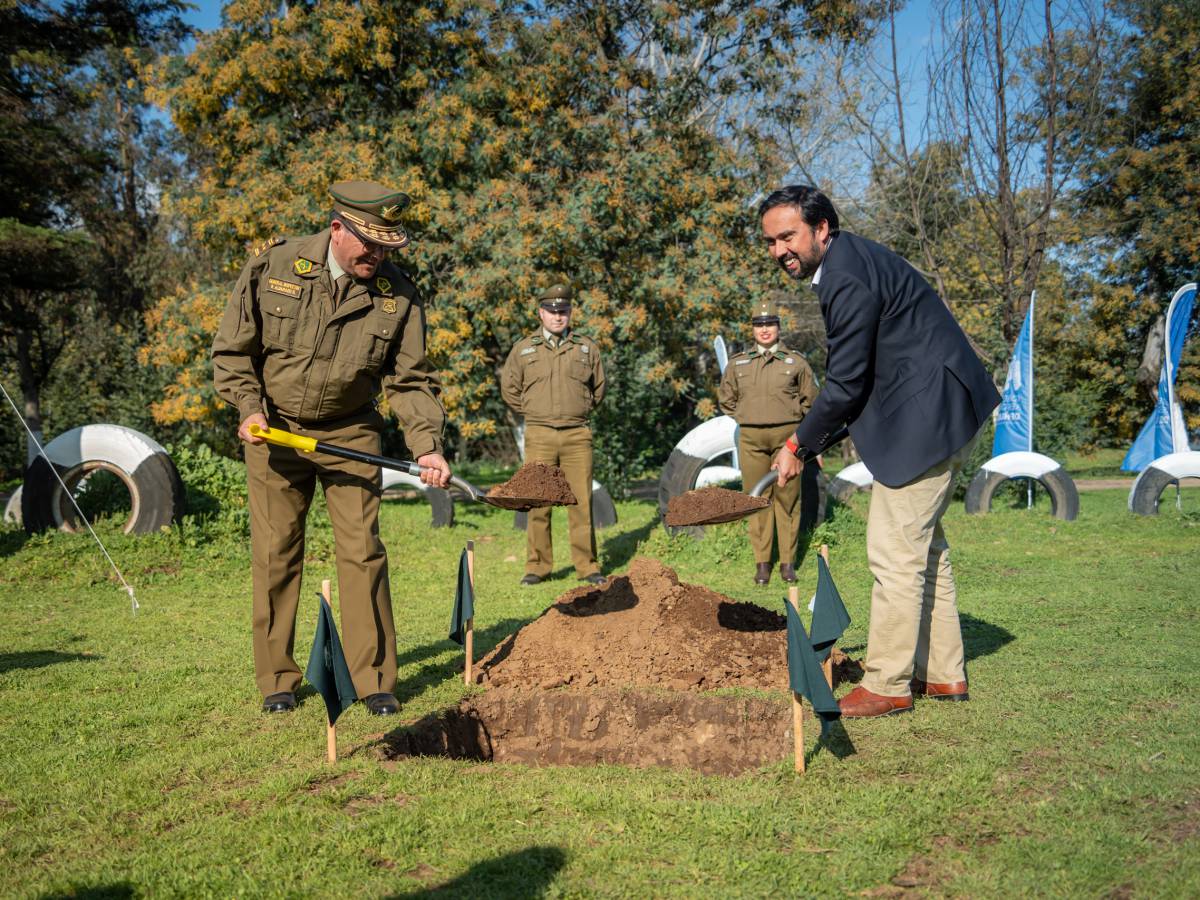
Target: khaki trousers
914,628
571,450
281,483
757,446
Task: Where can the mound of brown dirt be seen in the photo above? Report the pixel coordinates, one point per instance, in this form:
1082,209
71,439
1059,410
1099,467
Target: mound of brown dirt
710,505
644,629
537,481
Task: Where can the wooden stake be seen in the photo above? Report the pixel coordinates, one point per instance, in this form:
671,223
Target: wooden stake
330,730
469,646
827,666
797,701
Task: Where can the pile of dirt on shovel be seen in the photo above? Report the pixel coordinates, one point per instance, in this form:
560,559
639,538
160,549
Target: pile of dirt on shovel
537,481
644,629
710,504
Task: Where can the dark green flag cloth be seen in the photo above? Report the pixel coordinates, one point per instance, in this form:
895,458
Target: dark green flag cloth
829,618
804,670
327,670
464,603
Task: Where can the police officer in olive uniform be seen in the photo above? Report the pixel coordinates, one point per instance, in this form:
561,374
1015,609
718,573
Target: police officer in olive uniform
767,390
315,328
554,378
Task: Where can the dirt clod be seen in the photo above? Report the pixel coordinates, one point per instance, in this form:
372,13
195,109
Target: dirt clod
710,505
537,481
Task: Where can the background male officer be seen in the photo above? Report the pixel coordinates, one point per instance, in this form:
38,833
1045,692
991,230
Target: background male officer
554,378
903,376
315,327
767,390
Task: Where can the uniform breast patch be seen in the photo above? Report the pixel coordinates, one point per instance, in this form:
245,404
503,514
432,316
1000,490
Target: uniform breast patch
585,348
384,286
389,305
790,361
302,266
279,286
741,362
528,350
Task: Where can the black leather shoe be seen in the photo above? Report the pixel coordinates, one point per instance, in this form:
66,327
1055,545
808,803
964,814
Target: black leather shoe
787,572
382,705
530,580
594,578
284,701
762,573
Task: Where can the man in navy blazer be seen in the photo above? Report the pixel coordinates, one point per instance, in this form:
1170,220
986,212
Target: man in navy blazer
903,377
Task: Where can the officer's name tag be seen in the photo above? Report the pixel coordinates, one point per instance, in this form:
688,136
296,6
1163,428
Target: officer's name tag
529,350
585,348
741,362
280,286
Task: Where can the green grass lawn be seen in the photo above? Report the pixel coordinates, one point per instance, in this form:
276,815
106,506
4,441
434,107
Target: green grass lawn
137,763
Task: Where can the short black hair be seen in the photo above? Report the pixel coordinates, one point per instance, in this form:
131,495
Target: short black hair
814,206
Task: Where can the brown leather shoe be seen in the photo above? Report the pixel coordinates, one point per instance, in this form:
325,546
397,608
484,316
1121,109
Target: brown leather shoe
787,572
862,704
762,573
954,690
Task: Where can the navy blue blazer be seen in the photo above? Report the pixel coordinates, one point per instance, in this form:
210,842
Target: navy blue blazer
900,371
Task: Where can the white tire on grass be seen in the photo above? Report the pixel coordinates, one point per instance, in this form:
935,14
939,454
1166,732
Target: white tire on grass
856,477
1064,497
1156,477
12,509
139,462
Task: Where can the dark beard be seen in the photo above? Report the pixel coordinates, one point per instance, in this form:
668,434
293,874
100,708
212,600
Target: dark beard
807,269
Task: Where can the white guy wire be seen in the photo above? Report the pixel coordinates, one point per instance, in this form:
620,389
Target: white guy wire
42,453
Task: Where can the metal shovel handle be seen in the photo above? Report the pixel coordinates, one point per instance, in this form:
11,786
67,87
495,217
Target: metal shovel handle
767,480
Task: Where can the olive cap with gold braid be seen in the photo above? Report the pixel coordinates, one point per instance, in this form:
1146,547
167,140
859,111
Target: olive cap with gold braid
764,312
371,210
556,297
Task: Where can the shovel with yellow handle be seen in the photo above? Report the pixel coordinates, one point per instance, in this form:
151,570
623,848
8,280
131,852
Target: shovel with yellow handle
283,438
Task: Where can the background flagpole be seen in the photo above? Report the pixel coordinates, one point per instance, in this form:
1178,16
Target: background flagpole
827,666
797,702
469,646
330,729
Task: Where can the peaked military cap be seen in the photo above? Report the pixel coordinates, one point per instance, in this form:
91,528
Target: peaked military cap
371,211
765,312
556,297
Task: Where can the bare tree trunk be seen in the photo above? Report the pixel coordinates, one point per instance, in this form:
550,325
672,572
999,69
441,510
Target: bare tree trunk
30,392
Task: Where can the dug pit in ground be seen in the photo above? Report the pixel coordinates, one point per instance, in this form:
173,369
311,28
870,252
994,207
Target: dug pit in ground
620,674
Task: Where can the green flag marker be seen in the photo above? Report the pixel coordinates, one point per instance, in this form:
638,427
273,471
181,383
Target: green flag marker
829,616
804,671
464,602
327,670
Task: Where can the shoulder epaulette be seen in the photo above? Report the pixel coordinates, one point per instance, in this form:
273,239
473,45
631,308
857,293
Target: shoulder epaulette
267,245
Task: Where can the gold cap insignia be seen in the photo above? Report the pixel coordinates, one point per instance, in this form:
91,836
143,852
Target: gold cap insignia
389,305
302,266
385,286
390,213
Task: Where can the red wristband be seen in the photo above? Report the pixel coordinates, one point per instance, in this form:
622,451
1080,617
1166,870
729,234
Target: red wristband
792,446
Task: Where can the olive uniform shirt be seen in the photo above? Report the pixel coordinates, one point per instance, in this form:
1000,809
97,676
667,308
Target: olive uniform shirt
554,386
284,345
767,387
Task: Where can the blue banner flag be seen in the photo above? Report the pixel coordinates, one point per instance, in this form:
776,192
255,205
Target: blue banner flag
829,616
1165,432
327,670
464,602
1014,418
804,671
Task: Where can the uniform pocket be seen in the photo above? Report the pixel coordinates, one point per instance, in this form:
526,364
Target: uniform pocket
279,315
378,334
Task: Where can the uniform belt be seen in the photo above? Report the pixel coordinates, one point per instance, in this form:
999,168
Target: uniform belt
557,427
330,422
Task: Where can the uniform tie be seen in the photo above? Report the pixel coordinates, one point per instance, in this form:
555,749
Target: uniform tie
340,287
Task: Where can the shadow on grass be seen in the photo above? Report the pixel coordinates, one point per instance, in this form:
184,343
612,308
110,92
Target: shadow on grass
619,549
412,686
981,638
525,873
834,740
12,540
38,659
118,891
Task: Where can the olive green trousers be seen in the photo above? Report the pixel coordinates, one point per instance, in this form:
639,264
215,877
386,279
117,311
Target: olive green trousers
571,450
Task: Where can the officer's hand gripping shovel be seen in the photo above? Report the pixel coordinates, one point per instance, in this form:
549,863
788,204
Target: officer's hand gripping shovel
312,445
758,490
